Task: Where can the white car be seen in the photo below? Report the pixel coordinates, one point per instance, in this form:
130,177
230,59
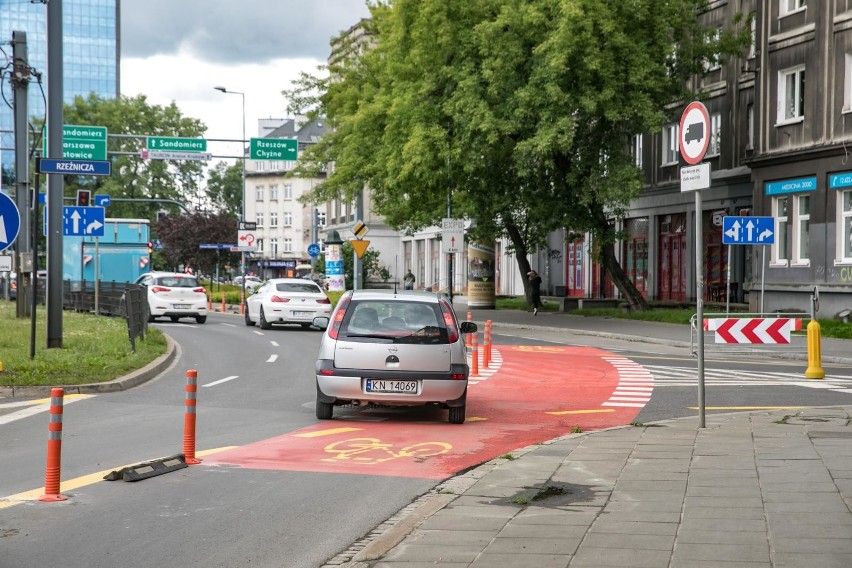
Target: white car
252,283
174,295
286,300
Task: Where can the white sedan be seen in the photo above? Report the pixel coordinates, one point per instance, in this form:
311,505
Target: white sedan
174,295
286,300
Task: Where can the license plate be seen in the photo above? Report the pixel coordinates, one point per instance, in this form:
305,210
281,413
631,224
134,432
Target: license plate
388,385
302,314
182,306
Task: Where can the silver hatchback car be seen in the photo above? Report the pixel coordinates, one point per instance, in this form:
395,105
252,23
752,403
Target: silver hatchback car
392,348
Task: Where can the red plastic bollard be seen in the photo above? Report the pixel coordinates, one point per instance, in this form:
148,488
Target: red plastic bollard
474,360
54,448
223,302
486,347
469,318
189,418
242,303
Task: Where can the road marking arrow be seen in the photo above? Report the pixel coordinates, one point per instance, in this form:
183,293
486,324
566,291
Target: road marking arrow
75,216
750,227
93,226
764,235
734,231
3,237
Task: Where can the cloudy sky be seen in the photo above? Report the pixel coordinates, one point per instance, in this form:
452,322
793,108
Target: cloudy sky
178,50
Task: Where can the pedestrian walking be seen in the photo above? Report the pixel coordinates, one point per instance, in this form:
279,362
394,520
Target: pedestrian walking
535,290
408,280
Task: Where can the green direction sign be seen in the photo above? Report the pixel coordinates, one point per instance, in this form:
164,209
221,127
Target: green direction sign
82,142
273,149
172,144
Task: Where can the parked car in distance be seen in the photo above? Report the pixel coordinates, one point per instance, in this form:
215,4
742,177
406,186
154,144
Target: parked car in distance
252,282
286,301
393,348
174,295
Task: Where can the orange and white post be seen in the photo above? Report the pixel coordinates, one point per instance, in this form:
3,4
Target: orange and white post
189,418
54,448
223,302
474,359
469,318
486,347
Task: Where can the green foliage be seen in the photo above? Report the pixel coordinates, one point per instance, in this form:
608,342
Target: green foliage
225,187
94,350
182,235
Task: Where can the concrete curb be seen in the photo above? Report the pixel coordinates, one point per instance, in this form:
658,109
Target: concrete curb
128,381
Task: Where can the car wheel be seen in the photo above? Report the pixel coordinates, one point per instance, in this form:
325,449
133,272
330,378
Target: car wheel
456,415
200,319
248,319
325,410
151,318
174,319
263,323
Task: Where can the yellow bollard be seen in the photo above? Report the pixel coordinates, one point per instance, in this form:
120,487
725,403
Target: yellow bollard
815,370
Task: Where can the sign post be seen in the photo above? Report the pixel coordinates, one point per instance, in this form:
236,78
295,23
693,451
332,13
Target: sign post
694,141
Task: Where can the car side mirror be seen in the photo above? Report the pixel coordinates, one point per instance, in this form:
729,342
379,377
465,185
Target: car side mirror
321,322
467,327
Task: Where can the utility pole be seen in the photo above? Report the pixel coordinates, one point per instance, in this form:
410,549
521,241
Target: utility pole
20,86
55,183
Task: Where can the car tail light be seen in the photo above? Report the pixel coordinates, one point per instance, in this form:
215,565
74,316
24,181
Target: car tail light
457,376
158,289
200,290
450,322
327,372
324,301
279,299
337,318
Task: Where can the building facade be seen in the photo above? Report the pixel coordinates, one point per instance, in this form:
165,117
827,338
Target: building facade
91,45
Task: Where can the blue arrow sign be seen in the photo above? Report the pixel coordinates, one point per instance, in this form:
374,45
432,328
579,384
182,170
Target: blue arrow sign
83,221
313,249
748,230
74,167
10,221
102,200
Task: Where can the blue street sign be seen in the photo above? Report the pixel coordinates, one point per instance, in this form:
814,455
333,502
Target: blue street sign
42,199
74,167
102,200
219,246
313,249
158,244
10,221
83,221
748,230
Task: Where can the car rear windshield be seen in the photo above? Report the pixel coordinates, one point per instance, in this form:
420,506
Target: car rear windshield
177,281
394,321
298,287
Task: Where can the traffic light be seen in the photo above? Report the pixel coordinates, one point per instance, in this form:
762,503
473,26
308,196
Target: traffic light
83,197
150,247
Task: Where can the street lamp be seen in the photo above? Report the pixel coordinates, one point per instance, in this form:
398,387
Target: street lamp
243,192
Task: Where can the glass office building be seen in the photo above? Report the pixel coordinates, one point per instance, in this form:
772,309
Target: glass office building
91,53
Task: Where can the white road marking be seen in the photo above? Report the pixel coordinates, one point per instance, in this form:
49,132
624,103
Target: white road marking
258,332
274,344
36,407
272,359
220,381
228,324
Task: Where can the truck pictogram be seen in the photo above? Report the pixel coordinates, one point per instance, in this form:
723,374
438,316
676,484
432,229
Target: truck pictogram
694,132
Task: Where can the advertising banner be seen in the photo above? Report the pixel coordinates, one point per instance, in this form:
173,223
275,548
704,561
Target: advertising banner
480,275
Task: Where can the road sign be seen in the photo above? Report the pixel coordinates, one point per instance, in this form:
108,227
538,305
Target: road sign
168,155
452,235
173,144
102,200
273,148
219,246
694,132
693,178
248,226
313,250
360,229
74,167
83,142
10,221
6,263
158,244
246,240
359,246
748,230
753,330
83,221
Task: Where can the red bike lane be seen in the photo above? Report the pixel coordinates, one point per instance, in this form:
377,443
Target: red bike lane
529,394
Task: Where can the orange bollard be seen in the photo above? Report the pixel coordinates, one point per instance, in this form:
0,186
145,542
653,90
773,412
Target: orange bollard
242,303
54,448
474,359
210,302
486,347
469,318
189,418
223,302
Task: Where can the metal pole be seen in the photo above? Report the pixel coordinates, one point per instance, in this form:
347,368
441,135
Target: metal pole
35,256
699,302
97,272
55,182
243,200
762,276
358,276
20,82
728,285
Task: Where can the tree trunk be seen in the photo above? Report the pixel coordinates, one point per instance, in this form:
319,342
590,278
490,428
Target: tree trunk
520,247
624,284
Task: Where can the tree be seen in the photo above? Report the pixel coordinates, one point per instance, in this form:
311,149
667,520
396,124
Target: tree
370,265
132,176
520,113
225,187
182,236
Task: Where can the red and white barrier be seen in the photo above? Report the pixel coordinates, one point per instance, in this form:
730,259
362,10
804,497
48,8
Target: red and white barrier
753,330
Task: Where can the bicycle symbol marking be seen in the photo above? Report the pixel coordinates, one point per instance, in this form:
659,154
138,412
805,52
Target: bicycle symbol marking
371,451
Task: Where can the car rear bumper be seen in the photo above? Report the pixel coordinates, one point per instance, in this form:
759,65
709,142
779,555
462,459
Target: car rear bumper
195,309
342,388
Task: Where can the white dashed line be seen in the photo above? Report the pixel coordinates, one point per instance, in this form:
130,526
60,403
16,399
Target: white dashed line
272,359
635,383
220,381
274,344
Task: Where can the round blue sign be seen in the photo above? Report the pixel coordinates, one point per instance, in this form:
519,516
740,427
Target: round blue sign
10,221
313,249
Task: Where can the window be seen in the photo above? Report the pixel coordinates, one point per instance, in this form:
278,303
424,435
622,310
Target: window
273,219
847,83
288,191
803,224
791,95
259,244
670,144
752,48
844,225
715,135
273,247
258,193
273,192
259,220
321,218
288,244
713,63
780,206
287,218
792,227
636,150
750,118
791,6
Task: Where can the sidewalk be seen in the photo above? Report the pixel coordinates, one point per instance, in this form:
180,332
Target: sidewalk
750,490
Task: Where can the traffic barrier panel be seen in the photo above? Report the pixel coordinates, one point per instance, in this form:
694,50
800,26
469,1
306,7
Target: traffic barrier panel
474,361
54,448
189,417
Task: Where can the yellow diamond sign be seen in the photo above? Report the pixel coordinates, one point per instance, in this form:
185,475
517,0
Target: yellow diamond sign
360,246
